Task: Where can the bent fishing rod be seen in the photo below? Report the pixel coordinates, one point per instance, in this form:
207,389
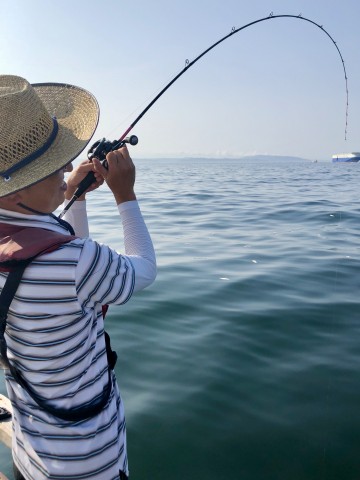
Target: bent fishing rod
102,147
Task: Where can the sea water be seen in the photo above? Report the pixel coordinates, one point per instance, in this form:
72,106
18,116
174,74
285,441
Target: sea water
242,360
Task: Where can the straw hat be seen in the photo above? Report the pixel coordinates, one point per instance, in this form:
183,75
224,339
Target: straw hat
43,127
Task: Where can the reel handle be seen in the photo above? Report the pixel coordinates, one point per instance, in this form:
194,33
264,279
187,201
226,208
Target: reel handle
99,150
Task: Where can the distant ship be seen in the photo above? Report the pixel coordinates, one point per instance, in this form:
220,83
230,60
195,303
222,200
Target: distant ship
346,157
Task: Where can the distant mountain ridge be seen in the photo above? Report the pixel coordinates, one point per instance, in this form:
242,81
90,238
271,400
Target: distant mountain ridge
271,157
245,157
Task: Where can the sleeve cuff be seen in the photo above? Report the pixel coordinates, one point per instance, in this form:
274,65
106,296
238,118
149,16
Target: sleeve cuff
125,206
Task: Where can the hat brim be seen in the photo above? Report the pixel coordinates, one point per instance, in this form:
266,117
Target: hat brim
77,113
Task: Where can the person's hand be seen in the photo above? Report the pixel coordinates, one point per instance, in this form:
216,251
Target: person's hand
120,175
76,175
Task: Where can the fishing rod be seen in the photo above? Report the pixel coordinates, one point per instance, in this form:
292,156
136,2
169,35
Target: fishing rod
102,147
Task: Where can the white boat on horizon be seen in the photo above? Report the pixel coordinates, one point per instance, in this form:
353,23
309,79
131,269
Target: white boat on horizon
346,157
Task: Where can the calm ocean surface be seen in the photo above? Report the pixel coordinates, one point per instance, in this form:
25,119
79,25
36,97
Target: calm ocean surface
242,360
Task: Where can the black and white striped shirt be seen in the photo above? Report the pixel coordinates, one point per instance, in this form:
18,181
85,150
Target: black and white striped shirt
55,337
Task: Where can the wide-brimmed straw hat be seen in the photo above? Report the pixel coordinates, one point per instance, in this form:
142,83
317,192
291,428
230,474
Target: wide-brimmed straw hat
43,127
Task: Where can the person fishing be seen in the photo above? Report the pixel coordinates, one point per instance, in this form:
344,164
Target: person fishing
55,281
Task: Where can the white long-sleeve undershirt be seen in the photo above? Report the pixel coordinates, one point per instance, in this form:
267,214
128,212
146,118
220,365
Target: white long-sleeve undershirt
137,241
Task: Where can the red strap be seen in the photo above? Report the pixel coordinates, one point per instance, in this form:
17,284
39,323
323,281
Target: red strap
104,310
19,243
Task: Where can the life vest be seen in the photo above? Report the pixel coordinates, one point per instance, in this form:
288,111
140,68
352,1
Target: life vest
18,248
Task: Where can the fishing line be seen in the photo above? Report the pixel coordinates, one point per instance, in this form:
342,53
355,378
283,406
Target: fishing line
102,147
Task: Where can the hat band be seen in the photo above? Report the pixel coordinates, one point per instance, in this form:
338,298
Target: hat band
6,174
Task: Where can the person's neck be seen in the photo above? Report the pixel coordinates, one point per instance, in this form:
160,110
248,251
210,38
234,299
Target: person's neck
19,207
31,211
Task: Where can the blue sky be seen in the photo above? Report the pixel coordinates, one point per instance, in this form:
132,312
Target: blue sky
276,88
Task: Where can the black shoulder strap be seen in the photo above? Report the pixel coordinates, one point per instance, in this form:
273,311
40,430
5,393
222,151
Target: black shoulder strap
76,414
6,297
